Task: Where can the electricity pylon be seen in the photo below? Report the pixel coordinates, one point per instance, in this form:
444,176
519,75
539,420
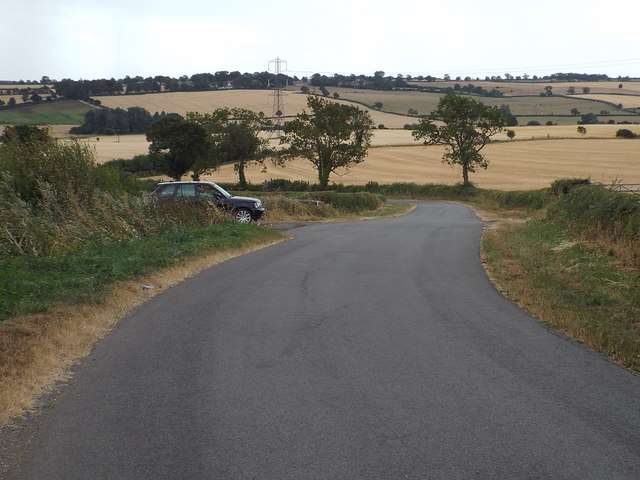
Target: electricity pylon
278,100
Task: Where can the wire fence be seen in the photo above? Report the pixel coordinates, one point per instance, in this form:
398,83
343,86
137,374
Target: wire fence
619,187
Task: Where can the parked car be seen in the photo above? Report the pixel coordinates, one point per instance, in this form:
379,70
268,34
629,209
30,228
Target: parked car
244,209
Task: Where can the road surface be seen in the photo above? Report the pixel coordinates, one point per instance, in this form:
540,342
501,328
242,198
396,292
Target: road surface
364,350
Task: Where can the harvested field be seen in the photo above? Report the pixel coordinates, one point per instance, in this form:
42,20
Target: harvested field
631,87
627,101
126,146
255,100
513,165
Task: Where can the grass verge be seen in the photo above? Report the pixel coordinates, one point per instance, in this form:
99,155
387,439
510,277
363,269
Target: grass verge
574,286
75,299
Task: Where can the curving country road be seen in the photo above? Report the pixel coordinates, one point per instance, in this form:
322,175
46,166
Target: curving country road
361,350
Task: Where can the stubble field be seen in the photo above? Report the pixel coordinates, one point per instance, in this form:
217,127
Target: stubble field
536,157
255,100
514,165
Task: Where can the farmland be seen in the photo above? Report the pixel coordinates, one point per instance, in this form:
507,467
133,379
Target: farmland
255,100
537,156
514,165
60,112
556,108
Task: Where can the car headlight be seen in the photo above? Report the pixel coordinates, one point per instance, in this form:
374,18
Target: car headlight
258,204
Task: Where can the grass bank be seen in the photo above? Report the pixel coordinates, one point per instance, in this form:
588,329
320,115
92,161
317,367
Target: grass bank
575,285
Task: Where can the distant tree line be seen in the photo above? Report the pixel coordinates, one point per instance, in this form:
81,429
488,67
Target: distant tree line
84,89
111,121
379,81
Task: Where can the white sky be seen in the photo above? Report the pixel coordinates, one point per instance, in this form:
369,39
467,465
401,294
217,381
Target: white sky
88,39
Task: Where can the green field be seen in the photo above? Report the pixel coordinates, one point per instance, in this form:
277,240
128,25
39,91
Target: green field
556,108
59,112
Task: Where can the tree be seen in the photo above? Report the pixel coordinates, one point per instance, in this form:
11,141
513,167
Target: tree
575,111
332,137
589,119
510,119
625,133
182,143
467,126
511,134
582,130
234,138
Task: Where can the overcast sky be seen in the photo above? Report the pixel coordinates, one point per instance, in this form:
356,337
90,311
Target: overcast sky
87,39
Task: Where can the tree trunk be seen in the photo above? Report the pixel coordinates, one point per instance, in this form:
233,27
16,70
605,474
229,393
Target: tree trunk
465,176
323,174
242,180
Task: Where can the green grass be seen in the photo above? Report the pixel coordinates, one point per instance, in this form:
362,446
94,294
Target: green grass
556,108
571,285
34,284
59,112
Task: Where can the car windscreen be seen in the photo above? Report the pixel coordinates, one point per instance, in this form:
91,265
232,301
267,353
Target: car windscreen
223,191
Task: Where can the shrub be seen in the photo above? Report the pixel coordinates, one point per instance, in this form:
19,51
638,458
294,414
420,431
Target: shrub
53,199
625,133
564,185
600,211
349,202
145,165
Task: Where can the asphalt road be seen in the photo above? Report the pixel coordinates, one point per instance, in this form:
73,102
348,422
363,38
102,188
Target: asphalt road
362,350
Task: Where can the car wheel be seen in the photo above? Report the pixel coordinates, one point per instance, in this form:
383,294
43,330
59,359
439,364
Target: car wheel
243,215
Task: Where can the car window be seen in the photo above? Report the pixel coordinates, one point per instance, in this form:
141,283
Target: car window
206,190
167,190
188,190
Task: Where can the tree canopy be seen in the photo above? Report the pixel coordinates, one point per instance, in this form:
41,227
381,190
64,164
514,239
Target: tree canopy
180,141
234,137
332,137
464,126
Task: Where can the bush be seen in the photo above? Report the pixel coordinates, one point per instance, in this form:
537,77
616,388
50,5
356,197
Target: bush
625,133
533,123
564,185
54,199
598,210
283,185
349,202
146,165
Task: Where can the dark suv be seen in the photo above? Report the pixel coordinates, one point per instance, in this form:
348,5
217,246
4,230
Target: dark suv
244,209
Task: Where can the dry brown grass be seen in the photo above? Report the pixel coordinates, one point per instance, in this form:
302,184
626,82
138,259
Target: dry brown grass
37,351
